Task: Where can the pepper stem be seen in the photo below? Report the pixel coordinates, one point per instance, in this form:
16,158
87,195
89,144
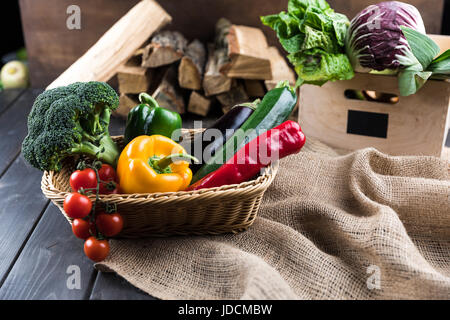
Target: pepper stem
148,99
168,160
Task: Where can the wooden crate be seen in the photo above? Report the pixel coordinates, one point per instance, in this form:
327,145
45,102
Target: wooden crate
416,125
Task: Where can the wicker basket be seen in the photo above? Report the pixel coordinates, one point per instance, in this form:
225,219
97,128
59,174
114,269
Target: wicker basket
226,209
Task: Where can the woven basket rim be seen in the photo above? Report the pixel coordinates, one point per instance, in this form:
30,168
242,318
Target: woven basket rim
49,188
53,191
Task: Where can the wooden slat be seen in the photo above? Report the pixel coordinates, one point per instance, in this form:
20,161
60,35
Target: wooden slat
110,286
21,205
9,96
13,126
41,269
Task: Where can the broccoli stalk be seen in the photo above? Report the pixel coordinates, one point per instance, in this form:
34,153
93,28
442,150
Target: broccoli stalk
96,141
104,149
70,121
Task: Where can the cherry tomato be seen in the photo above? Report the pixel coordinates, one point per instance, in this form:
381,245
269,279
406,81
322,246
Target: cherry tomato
95,249
83,229
83,179
106,173
77,205
116,190
109,224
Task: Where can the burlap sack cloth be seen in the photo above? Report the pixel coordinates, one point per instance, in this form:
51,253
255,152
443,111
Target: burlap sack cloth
355,226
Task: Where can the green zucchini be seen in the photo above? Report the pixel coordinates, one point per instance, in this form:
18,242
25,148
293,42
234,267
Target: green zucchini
273,110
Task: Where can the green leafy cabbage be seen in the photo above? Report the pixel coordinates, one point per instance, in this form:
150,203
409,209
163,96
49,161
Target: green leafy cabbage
314,36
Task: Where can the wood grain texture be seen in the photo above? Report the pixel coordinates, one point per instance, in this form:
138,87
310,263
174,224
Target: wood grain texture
110,286
166,47
169,94
13,123
324,110
198,104
21,206
117,45
281,70
215,82
9,96
133,79
192,65
248,54
41,269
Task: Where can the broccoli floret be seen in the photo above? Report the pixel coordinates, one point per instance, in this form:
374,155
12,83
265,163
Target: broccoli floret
71,120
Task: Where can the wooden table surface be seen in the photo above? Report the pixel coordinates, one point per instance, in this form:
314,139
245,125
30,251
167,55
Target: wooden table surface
37,247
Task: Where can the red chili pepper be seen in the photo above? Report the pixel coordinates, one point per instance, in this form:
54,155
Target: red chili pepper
277,143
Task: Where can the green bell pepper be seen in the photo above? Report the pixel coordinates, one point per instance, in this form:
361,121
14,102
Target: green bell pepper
148,118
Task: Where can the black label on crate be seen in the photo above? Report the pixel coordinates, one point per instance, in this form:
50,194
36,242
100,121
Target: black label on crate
367,123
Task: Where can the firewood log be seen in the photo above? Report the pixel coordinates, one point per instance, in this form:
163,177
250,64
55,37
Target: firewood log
215,82
168,94
126,103
166,47
190,70
133,79
236,95
198,104
280,69
136,58
247,52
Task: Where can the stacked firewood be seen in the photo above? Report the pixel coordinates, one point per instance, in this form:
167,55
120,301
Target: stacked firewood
194,77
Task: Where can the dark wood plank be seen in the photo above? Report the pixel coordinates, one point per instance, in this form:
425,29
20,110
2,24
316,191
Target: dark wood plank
13,127
41,269
21,206
7,97
110,286
117,126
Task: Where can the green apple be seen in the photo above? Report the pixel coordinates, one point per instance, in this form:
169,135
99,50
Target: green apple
14,74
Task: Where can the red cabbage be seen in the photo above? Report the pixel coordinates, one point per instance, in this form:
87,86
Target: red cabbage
375,40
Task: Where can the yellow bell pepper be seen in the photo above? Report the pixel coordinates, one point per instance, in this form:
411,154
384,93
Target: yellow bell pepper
151,164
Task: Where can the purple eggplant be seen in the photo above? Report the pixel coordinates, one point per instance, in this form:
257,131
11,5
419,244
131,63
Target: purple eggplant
226,125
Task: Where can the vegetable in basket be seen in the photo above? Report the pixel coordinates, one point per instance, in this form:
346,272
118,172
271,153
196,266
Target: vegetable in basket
314,36
148,118
224,128
390,37
68,121
277,143
273,110
151,164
